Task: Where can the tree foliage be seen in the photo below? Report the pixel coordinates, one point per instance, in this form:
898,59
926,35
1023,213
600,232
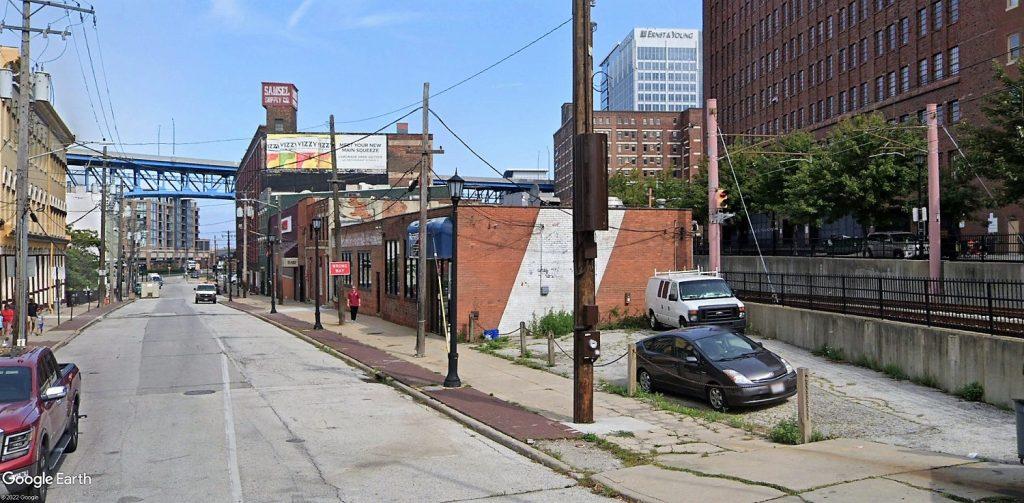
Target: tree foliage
83,260
632,188
996,148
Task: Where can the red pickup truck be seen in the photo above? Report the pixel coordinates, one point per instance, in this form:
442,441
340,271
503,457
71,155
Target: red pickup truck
39,401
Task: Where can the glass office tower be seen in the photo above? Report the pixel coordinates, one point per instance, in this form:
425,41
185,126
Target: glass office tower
653,70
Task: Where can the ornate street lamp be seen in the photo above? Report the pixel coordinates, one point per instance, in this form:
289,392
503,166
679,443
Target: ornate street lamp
271,241
316,224
452,380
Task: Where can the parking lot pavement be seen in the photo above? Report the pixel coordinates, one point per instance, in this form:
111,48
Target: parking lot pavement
846,401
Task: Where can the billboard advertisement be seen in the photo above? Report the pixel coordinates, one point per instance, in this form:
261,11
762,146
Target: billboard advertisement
356,154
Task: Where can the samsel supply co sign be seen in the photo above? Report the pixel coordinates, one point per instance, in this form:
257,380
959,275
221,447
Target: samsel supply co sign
313,151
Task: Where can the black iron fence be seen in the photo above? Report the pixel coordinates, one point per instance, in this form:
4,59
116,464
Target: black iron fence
981,247
994,307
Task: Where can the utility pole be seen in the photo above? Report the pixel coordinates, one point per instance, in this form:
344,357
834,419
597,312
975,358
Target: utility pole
336,256
230,258
421,253
120,242
103,227
714,223
934,229
245,250
589,214
132,261
279,290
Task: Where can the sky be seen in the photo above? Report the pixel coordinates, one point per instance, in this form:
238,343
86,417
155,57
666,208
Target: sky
199,64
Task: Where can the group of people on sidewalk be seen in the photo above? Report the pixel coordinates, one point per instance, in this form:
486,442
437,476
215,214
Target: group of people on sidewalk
35,322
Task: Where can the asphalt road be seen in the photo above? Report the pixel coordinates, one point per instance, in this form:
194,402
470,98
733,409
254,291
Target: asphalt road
203,403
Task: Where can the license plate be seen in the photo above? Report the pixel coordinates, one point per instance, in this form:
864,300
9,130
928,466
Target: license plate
778,387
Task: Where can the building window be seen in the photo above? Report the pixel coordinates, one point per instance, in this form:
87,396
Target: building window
940,114
842,60
954,61
364,270
922,22
391,267
842,102
905,79
865,98
954,11
347,257
828,66
879,88
1013,47
411,268
892,36
864,50
892,84
879,42
938,67
954,112
278,125
937,10
1012,4
922,72
904,31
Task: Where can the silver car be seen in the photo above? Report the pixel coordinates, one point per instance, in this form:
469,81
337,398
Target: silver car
895,245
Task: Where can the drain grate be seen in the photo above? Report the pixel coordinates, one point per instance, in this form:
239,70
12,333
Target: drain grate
199,392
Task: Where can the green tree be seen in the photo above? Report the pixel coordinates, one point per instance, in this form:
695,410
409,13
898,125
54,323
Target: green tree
960,196
83,259
632,188
997,146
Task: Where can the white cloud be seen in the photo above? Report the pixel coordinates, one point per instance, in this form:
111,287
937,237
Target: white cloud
297,14
380,20
228,11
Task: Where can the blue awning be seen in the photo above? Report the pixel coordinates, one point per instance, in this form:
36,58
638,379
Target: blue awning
439,238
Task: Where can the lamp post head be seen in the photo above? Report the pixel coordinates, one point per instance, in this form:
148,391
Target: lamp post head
455,184
316,223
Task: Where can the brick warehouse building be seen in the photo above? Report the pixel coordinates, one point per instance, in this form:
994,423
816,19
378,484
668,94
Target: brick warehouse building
514,263
650,141
781,65
261,175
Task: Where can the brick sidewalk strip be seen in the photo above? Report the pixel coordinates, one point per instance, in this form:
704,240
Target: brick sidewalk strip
82,319
503,416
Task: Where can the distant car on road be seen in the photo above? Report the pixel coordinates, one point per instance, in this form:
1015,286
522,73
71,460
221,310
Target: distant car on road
206,293
194,273
895,245
39,400
717,364
689,298
156,278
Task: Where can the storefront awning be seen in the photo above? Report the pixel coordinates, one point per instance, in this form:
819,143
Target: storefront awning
439,239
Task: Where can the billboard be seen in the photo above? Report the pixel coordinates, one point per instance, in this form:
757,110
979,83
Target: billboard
280,94
356,154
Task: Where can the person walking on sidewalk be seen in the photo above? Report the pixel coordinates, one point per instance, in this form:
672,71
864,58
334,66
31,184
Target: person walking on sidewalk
353,302
33,314
7,314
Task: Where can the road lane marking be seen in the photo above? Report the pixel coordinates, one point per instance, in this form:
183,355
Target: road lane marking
229,427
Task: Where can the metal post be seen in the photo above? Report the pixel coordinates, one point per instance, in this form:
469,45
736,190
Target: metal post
452,379
228,278
927,302
714,227
522,339
336,202
881,304
934,231
316,278
991,317
244,284
843,278
631,369
803,405
273,284
280,253
551,348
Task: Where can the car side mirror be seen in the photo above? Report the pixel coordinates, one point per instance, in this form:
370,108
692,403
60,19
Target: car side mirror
673,297
690,360
55,393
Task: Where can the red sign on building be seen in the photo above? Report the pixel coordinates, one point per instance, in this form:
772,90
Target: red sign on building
279,94
340,269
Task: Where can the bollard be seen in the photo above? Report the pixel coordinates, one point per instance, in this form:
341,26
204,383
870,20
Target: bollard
1018,405
551,349
802,406
631,369
469,335
522,339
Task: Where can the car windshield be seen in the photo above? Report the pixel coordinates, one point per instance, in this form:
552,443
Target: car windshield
206,288
725,346
15,384
704,289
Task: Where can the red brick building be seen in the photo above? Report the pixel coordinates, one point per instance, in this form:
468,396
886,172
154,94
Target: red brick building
782,65
649,141
514,263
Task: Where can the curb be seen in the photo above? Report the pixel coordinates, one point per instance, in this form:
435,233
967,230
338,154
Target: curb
477,426
64,342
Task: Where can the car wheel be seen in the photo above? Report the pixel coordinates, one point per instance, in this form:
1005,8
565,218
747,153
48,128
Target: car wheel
643,379
38,493
73,430
652,320
871,253
716,398
682,322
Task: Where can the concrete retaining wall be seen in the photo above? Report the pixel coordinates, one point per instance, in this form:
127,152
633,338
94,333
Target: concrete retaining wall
988,271
952,358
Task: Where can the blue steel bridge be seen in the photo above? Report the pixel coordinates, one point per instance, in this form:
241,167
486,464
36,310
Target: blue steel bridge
144,175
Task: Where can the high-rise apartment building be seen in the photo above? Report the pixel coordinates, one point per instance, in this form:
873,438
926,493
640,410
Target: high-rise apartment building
782,65
168,230
648,141
654,70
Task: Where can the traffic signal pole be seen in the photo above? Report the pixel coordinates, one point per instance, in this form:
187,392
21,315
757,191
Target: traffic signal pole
714,225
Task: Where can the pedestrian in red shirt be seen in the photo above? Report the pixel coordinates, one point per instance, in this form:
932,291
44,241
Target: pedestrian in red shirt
353,302
8,316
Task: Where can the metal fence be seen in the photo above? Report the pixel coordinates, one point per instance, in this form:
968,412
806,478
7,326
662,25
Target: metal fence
981,248
995,307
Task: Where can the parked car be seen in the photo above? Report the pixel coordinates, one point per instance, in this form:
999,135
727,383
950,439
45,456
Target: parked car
688,298
206,293
895,245
717,364
39,401
194,273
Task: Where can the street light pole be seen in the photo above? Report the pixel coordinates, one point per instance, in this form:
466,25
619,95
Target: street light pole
452,379
316,224
271,241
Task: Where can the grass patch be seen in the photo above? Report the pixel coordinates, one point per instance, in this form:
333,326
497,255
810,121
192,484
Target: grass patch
973,392
495,344
659,401
869,363
626,456
558,322
830,353
895,371
622,433
926,380
787,431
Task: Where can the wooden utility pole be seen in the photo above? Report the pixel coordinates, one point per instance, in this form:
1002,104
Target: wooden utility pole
585,309
103,227
934,228
336,203
421,253
120,242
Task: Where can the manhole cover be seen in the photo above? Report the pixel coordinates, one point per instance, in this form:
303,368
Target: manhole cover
199,392
295,440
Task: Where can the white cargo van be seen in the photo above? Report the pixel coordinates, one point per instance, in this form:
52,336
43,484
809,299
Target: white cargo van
689,298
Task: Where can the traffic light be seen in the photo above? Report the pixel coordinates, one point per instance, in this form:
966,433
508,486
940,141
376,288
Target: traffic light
721,199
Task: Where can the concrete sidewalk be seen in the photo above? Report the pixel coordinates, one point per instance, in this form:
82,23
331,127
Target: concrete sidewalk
685,458
57,335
